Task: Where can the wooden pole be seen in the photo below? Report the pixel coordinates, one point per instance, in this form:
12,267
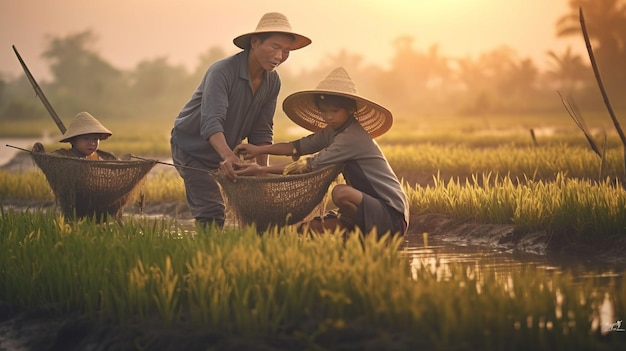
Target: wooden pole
605,97
40,93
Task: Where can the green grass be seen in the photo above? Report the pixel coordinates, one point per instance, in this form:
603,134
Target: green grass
560,188
581,210
29,186
315,291
516,162
237,282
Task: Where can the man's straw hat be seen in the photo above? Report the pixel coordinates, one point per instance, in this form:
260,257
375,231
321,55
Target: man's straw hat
273,22
300,107
84,123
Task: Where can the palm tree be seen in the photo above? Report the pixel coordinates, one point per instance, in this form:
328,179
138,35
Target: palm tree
605,21
469,73
418,70
521,78
566,72
489,71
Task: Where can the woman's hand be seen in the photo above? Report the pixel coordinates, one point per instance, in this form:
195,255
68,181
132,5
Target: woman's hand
248,151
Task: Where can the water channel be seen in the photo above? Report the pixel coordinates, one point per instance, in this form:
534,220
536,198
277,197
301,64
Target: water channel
438,255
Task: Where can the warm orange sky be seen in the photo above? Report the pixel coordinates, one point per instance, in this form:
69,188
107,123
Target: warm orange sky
133,30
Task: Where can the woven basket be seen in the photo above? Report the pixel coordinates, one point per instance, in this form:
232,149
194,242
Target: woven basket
88,188
276,200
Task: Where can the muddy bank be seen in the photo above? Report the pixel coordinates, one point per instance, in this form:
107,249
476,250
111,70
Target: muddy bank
462,232
511,239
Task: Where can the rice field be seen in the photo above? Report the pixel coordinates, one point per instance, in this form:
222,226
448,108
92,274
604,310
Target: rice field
321,293
310,291
562,188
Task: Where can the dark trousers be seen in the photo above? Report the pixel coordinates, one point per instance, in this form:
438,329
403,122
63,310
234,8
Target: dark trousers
202,191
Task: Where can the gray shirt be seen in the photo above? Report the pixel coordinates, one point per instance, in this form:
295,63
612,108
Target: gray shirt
365,166
224,102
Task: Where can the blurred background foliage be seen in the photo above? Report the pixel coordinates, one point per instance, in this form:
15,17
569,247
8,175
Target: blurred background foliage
417,83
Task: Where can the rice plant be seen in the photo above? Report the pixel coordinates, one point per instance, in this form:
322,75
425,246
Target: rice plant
587,210
557,189
236,282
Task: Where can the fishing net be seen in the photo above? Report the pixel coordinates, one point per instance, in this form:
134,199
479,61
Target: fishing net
276,200
89,188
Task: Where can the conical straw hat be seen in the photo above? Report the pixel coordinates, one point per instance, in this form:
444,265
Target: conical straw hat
84,123
300,107
273,22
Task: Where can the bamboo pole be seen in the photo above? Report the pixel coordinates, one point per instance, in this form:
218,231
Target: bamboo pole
605,97
40,93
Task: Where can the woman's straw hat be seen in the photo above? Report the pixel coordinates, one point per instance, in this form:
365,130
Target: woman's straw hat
300,107
84,123
273,22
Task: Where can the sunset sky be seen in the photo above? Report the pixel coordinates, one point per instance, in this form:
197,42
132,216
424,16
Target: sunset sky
129,31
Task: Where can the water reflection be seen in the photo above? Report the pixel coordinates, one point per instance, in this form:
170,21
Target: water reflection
439,254
422,250
439,257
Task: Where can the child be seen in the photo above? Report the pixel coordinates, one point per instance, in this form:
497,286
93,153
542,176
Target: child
84,134
344,125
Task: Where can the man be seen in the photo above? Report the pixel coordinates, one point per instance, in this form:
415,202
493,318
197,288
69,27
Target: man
235,100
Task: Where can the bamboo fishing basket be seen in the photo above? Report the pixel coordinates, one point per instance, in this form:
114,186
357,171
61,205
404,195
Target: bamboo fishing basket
276,200
89,188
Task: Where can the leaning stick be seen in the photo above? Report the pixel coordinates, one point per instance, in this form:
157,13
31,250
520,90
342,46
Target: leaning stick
600,84
171,164
139,158
40,93
19,148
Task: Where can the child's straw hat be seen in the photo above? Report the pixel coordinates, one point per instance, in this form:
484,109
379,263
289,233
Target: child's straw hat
84,123
300,107
273,22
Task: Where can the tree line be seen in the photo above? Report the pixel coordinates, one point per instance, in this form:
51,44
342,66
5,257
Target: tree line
416,82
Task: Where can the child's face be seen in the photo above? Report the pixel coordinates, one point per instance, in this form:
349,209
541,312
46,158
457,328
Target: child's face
86,144
334,115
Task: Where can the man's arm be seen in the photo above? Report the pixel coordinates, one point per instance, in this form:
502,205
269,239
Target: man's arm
218,141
